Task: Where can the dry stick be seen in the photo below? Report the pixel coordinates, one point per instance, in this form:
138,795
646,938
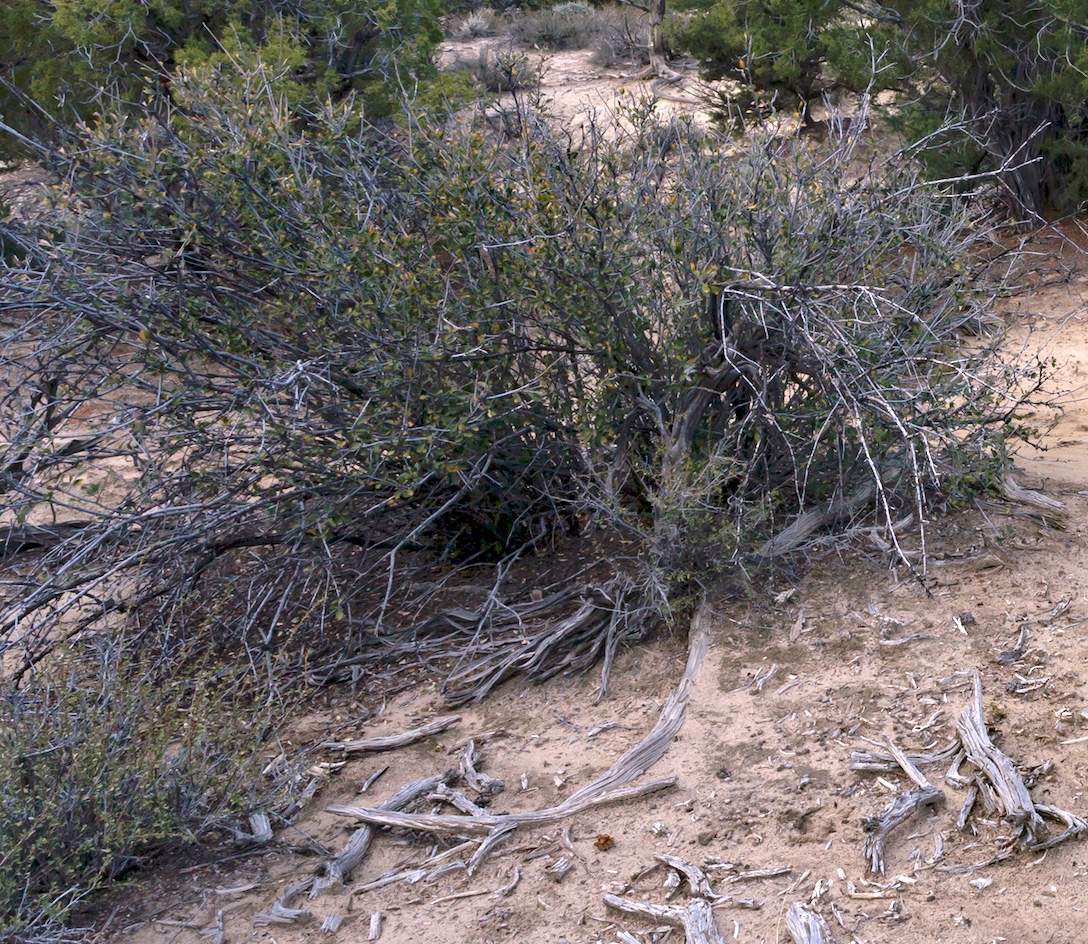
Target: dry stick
414,873
696,918
347,861
339,869
479,825
392,741
877,762
998,769
457,799
1051,509
920,796
904,761
695,876
498,835
1075,826
968,805
603,790
827,513
467,758
806,926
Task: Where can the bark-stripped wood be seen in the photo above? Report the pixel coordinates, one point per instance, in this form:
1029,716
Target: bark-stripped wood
805,926
393,741
602,790
480,825
998,769
695,918
902,809
698,883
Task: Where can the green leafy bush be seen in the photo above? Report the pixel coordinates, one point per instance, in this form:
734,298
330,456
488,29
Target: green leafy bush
104,767
346,361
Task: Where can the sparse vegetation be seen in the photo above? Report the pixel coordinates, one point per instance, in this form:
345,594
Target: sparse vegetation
305,358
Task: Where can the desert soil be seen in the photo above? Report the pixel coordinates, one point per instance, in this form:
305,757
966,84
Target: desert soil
798,676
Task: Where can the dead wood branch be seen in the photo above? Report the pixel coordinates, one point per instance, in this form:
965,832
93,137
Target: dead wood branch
479,825
467,759
878,762
902,809
281,913
393,741
997,768
805,926
602,790
651,748
261,827
696,918
908,765
339,870
811,521
494,838
698,883
1050,509
1074,826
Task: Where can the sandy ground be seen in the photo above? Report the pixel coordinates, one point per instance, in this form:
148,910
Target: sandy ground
797,677
763,766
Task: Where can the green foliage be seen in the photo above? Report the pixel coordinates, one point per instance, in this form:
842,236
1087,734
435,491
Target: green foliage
777,46
57,57
112,763
348,356
486,344
1012,73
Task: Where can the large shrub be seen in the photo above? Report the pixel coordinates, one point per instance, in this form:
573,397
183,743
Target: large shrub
286,371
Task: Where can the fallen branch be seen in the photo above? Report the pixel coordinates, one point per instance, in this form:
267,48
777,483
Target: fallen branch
481,825
1050,509
811,521
696,918
902,809
467,759
602,790
879,762
805,926
698,883
393,741
997,768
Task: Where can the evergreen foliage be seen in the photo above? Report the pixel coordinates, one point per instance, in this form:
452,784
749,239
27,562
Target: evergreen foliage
1010,77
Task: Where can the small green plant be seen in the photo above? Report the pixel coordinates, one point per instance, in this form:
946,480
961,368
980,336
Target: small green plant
566,26
107,763
499,70
480,22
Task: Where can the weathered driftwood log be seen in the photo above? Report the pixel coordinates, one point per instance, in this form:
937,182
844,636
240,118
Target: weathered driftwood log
1050,509
393,741
879,762
467,759
830,512
339,870
695,918
805,926
998,769
1074,826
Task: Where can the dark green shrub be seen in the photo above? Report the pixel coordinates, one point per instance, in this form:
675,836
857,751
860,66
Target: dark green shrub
1006,81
